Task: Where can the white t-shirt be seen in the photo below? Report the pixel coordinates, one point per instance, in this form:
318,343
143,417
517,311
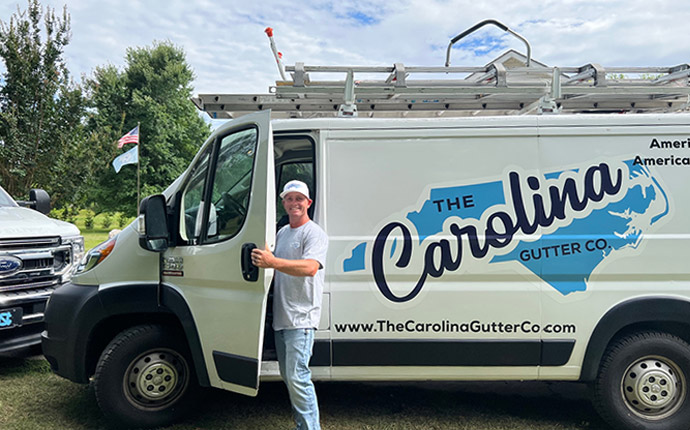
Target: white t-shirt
297,299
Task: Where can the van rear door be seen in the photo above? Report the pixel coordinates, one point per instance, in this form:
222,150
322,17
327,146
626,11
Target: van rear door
225,207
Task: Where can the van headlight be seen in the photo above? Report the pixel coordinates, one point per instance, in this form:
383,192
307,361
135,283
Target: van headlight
97,254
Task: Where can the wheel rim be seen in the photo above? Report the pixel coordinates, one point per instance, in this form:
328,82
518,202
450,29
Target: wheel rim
156,378
653,387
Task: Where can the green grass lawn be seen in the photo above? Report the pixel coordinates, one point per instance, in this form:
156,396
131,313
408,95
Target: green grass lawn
33,398
93,237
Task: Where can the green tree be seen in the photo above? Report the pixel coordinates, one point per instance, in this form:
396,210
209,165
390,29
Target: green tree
154,91
40,107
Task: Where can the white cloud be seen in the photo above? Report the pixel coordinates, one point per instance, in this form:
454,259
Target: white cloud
229,52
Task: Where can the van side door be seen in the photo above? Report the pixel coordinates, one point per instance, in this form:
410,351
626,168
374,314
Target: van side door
424,279
225,206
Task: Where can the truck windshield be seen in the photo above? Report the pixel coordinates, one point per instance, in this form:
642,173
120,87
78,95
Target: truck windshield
6,200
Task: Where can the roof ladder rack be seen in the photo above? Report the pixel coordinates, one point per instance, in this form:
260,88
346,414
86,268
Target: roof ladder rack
513,84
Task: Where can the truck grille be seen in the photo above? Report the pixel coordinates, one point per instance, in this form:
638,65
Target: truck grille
44,261
44,242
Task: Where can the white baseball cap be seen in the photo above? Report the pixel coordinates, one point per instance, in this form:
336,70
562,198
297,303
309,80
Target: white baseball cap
295,187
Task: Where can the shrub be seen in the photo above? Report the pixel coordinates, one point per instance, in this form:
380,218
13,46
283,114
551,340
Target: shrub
122,220
107,220
88,219
72,214
67,213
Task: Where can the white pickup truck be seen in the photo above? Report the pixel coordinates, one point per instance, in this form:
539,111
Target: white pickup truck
37,254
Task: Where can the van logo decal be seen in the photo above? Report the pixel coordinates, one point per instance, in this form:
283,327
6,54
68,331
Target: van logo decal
559,226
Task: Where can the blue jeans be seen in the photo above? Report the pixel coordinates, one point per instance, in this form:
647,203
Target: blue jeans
294,348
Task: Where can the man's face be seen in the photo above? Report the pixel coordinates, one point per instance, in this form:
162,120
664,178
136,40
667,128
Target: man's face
296,204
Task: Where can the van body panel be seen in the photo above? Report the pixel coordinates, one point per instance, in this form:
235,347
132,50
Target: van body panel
633,242
127,263
642,237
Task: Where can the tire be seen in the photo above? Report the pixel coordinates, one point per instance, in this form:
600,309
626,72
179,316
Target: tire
643,383
145,378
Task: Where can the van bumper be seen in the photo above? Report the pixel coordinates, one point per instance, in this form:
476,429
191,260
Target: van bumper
69,317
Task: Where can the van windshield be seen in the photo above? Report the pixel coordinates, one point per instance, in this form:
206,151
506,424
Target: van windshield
6,200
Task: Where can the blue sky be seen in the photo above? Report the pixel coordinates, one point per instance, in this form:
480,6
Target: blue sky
229,52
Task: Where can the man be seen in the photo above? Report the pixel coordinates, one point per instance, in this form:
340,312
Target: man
299,259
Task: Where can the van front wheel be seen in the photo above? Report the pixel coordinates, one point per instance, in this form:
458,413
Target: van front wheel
144,377
643,382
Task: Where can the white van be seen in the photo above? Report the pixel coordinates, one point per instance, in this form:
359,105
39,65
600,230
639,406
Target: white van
487,248
37,255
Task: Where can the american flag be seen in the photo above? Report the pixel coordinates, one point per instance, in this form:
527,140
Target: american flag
131,137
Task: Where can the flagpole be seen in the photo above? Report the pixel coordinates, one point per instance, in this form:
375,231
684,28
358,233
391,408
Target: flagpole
138,166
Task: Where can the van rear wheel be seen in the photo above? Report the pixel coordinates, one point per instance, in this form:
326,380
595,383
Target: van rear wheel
643,382
144,377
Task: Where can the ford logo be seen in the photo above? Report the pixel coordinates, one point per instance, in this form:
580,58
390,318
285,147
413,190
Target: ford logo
9,265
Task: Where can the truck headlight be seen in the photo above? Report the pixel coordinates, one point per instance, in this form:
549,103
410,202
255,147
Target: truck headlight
97,254
77,244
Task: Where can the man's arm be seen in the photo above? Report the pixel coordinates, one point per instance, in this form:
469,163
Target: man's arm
265,259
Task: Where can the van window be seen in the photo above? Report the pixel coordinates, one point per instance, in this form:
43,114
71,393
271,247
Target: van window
232,184
192,200
229,200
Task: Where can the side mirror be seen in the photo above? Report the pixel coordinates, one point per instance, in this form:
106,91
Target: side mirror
41,200
153,224
38,200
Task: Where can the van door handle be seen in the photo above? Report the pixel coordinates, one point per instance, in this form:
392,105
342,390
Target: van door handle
249,271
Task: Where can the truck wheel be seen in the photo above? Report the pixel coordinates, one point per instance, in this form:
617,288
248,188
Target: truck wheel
643,383
145,377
